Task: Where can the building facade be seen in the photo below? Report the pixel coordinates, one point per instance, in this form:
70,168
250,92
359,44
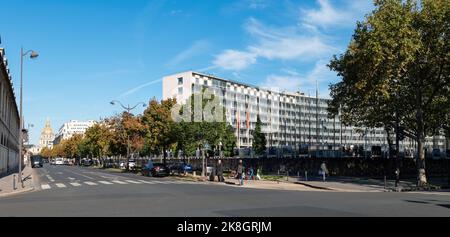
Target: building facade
9,120
47,136
289,119
67,130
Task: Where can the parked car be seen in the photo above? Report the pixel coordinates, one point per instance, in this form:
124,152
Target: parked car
155,169
37,162
86,162
180,168
436,154
59,161
109,163
53,162
132,165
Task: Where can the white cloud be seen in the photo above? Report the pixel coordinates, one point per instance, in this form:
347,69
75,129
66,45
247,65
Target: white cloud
195,49
324,16
138,88
328,15
293,81
257,4
234,60
272,44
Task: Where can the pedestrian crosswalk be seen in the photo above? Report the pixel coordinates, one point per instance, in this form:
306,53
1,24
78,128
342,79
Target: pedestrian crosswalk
75,184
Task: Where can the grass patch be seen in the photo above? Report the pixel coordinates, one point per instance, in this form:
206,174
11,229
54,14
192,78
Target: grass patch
271,177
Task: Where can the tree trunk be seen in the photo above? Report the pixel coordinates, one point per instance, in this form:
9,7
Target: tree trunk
420,162
164,155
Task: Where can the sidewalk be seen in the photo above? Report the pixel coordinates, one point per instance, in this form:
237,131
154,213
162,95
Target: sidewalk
273,185
7,182
354,184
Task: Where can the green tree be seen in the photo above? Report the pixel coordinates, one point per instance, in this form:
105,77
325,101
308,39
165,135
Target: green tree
200,129
395,72
160,127
259,139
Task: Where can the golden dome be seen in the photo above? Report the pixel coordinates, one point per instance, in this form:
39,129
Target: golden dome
47,129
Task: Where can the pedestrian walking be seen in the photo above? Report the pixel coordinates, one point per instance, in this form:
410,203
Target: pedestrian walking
240,171
250,173
219,169
323,170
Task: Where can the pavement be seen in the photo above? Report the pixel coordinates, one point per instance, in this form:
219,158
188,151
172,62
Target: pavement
355,184
9,184
67,191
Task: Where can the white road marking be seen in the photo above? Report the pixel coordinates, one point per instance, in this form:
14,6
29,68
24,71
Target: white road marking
118,182
133,182
80,175
90,183
45,186
75,184
158,182
50,178
60,185
105,182
146,182
71,178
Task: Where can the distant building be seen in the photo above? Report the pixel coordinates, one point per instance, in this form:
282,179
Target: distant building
71,128
9,120
33,149
47,136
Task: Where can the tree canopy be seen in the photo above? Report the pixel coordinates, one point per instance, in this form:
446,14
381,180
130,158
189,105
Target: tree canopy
396,71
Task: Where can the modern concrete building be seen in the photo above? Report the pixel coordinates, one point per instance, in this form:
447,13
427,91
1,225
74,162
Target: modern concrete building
289,119
9,120
47,136
67,130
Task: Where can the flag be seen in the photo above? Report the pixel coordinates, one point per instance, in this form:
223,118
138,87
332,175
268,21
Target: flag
238,121
248,119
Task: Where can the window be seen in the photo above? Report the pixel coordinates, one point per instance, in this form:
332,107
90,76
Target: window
180,81
180,90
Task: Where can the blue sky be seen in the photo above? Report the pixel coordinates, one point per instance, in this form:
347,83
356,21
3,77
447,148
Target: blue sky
94,51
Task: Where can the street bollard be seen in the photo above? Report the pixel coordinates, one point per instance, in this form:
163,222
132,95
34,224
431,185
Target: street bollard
14,182
306,175
323,175
287,175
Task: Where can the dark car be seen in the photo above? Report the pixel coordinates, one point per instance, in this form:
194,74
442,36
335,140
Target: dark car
86,162
180,168
37,162
155,170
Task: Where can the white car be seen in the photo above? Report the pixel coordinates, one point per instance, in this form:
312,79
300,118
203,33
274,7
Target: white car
59,161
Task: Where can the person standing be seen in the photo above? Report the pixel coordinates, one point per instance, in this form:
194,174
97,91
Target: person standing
240,172
220,171
324,170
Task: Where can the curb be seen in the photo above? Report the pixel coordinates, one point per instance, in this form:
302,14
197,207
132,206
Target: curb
17,192
315,187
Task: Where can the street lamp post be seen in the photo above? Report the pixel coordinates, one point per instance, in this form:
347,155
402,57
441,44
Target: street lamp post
33,55
28,131
128,109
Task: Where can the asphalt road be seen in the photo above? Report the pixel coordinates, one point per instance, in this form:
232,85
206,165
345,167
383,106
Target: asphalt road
74,191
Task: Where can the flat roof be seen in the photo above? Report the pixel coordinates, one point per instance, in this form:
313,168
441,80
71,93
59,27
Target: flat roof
249,85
